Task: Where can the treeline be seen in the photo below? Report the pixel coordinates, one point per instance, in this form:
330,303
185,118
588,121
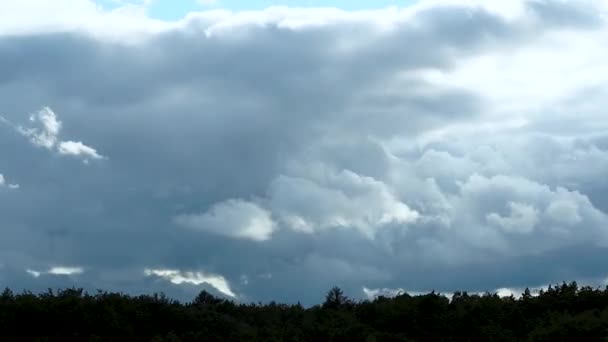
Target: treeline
562,313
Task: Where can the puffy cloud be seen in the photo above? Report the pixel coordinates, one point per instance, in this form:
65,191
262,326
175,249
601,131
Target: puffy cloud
527,208
564,212
337,200
77,148
522,219
233,218
47,135
414,148
32,17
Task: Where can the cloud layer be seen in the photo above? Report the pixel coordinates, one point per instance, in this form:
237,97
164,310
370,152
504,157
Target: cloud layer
272,154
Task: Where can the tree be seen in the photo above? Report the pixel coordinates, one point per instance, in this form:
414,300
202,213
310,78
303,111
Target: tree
335,298
205,298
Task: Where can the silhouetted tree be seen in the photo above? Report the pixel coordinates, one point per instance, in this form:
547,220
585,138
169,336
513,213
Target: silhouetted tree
335,298
563,312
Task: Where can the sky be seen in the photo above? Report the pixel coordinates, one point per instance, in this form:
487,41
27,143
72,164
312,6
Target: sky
270,153
177,9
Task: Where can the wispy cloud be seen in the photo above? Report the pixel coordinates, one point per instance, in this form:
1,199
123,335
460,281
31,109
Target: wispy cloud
57,271
195,278
3,183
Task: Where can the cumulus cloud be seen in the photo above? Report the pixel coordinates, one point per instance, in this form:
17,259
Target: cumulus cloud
435,146
337,200
511,215
77,148
32,16
47,136
521,219
233,218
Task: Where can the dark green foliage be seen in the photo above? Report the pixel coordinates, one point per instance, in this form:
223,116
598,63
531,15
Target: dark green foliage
561,313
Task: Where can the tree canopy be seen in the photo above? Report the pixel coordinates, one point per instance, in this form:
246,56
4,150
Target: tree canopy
564,312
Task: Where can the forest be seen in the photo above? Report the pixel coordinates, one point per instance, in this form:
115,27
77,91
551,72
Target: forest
563,312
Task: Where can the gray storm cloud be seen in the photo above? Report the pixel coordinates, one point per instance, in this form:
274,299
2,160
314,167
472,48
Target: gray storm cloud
435,146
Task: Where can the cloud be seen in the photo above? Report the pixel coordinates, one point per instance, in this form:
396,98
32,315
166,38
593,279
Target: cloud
47,136
31,17
196,278
522,219
33,273
372,294
77,148
341,200
60,270
3,183
434,146
57,271
233,218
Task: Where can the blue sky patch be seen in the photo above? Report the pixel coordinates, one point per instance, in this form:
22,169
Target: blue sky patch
176,9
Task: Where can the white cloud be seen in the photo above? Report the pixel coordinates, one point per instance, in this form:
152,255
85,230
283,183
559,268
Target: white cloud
233,218
61,270
32,16
325,199
131,23
564,212
195,278
3,183
33,273
522,219
47,136
502,292
479,197
523,83
57,270
518,292
372,294
77,148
